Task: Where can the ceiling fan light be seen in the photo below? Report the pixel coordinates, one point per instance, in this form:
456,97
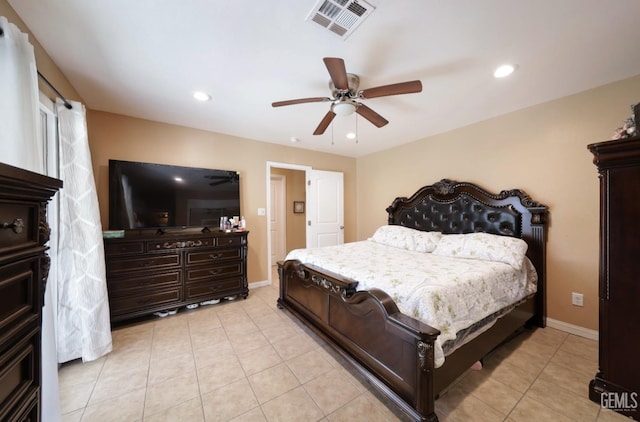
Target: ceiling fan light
344,108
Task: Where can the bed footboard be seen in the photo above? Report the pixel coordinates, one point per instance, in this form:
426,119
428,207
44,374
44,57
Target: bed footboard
393,351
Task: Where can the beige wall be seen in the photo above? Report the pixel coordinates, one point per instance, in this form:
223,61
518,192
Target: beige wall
112,136
295,191
542,150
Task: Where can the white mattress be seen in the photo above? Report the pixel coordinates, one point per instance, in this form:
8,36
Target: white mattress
450,294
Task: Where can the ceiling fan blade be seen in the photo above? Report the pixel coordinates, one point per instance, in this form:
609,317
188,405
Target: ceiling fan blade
338,72
324,124
371,115
393,89
301,101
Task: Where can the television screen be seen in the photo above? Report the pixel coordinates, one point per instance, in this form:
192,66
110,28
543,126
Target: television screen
145,195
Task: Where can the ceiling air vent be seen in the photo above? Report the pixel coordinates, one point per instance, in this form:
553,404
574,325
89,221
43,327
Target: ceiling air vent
340,17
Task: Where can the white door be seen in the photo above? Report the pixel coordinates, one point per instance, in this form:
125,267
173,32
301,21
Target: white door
277,217
325,208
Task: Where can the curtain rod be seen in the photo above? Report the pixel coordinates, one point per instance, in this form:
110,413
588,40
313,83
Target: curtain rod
67,104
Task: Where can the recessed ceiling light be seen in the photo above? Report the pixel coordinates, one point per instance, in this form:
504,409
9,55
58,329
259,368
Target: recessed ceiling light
201,96
351,135
178,179
505,70
294,140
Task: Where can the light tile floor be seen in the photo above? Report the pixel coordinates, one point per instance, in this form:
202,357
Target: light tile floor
246,360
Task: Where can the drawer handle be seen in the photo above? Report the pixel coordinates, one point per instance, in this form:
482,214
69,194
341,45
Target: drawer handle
17,225
215,272
146,282
148,263
216,256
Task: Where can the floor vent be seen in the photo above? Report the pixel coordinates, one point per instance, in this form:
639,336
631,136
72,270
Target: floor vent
340,17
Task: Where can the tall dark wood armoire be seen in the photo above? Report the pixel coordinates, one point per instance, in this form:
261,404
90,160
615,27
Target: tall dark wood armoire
24,266
617,383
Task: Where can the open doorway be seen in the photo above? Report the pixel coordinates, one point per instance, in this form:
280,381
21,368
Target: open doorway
286,226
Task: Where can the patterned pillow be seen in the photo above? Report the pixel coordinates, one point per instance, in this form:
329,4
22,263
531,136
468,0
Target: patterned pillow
396,236
484,246
426,241
406,238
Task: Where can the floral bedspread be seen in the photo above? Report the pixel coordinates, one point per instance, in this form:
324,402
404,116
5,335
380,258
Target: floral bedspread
447,293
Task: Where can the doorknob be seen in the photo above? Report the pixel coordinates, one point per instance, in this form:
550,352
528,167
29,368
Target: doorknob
341,227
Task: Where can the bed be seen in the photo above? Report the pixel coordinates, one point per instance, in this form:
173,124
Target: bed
396,351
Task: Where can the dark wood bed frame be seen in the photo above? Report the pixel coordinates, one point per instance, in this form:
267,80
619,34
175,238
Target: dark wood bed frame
394,351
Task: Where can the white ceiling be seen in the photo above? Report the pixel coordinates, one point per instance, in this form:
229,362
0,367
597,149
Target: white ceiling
144,58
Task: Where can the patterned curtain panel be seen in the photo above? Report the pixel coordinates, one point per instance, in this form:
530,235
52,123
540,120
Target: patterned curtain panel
84,327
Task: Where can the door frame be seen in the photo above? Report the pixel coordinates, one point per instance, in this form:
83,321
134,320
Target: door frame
282,233
274,164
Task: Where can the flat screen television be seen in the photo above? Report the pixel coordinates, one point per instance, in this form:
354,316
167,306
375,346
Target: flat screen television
146,195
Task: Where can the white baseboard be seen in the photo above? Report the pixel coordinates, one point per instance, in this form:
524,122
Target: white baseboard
256,284
572,329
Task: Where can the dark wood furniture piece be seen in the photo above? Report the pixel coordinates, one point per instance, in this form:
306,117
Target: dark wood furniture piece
618,164
148,272
24,267
395,351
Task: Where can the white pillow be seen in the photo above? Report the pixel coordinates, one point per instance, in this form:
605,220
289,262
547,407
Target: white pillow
406,238
396,236
484,246
426,241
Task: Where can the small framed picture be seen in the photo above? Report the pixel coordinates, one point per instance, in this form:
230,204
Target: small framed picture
298,207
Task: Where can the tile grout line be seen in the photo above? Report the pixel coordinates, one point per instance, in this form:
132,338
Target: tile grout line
193,354
146,388
534,381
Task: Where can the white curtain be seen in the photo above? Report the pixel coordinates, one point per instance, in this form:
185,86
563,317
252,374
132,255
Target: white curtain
19,105
84,327
21,145
50,389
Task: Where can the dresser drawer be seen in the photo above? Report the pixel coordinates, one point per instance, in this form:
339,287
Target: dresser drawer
18,228
28,410
155,299
229,241
147,262
18,376
214,272
214,289
212,256
112,248
19,303
169,243
125,285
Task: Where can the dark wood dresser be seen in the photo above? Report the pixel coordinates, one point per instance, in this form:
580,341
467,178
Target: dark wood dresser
24,267
149,272
617,384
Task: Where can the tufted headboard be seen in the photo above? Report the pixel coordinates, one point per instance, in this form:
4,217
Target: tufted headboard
461,207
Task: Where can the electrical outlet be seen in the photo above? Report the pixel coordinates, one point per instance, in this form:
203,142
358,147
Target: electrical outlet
577,299
261,211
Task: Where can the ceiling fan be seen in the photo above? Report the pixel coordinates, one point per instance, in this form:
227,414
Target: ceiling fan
344,90
227,177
